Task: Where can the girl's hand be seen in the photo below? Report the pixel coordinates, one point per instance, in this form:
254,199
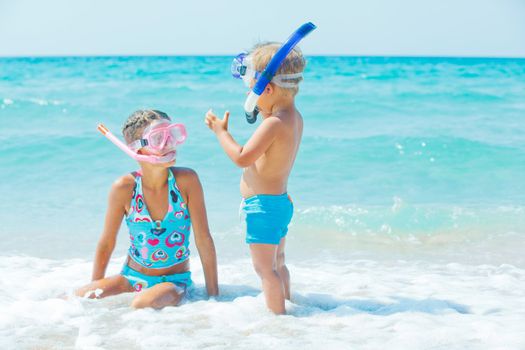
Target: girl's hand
216,124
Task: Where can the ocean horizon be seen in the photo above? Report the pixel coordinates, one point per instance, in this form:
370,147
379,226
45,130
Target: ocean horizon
409,190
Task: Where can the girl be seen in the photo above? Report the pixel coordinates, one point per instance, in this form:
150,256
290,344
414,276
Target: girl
159,203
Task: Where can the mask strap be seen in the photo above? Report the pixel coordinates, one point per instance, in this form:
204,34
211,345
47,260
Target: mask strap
280,80
138,144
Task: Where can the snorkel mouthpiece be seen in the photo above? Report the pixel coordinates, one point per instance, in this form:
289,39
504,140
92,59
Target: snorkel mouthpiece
250,107
251,117
266,76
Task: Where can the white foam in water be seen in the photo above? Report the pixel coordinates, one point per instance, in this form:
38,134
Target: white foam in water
336,304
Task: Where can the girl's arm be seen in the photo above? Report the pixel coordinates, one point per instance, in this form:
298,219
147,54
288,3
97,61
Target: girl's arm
119,193
203,239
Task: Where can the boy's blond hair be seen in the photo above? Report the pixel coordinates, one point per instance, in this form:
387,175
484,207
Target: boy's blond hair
294,62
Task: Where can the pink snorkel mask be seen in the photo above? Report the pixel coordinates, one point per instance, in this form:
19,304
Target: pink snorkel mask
158,136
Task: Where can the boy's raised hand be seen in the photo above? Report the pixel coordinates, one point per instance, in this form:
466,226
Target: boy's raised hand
216,124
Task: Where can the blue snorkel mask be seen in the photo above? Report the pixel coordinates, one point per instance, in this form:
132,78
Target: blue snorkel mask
242,68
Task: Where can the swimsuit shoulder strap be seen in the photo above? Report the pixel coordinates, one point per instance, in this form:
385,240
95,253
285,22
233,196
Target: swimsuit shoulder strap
172,182
138,183
137,190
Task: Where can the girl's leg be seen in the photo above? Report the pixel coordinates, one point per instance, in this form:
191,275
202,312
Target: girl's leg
159,296
109,286
281,268
264,259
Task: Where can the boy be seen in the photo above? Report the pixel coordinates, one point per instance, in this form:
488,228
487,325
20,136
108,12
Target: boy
267,159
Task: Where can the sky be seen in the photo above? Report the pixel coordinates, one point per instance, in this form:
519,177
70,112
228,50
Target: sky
485,28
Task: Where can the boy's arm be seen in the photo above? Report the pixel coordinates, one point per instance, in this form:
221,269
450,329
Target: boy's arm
106,243
203,239
244,156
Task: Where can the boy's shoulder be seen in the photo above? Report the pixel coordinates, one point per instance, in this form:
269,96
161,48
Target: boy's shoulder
284,119
274,120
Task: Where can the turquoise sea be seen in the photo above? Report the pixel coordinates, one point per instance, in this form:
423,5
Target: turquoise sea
409,167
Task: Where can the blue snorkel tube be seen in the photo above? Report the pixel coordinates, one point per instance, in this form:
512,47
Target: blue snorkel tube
266,76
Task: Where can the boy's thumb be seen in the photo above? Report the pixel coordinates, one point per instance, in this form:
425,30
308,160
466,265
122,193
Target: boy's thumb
226,116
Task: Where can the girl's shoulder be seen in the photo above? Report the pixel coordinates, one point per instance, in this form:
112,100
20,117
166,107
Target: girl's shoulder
184,177
122,190
183,172
126,180
124,184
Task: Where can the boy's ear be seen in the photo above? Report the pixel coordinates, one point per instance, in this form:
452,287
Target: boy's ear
269,89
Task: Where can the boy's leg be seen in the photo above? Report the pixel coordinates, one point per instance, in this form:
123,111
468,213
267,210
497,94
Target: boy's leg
281,268
159,296
109,286
264,262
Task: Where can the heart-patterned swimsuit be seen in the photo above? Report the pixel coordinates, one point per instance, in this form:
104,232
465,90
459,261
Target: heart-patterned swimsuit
158,244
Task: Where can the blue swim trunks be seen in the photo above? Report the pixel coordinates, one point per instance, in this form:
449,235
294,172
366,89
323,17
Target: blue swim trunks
140,281
267,217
